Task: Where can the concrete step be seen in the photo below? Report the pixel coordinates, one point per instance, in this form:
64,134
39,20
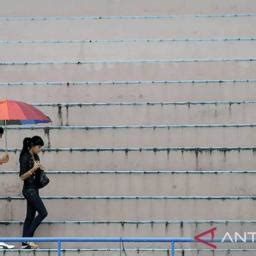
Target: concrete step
137,91
124,71
146,114
180,27
132,230
127,7
150,228
98,208
110,184
133,92
182,136
147,158
127,51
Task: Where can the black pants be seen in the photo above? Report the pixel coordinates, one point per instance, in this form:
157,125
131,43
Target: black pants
34,204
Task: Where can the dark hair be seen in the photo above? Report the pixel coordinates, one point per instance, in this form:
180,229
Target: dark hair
28,143
1,130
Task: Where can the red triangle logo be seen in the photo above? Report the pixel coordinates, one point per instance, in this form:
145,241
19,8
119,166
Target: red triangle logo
200,237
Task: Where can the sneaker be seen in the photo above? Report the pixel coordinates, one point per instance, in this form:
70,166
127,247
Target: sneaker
6,246
30,245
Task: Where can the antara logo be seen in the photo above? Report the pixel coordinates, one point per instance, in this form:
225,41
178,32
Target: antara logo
236,238
203,237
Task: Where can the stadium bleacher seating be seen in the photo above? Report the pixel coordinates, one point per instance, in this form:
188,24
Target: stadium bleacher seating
153,109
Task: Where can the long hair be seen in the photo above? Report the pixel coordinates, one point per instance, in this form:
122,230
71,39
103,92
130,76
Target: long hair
28,143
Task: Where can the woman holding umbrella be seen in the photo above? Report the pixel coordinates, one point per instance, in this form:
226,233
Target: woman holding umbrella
19,113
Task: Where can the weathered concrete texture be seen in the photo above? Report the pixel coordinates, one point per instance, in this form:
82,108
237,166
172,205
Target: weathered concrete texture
181,159
127,51
113,229
138,184
124,7
153,114
127,93
140,137
212,65
132,28
136,209
124,71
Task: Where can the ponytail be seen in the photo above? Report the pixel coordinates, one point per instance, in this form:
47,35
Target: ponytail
26,146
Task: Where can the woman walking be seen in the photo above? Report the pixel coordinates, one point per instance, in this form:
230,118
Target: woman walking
30,169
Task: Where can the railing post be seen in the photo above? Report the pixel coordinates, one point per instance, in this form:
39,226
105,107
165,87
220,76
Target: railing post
172,248
59,248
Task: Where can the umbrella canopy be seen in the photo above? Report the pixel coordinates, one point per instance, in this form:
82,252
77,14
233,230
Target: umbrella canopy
18,113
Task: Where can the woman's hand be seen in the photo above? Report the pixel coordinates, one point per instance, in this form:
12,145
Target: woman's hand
5,158
36,166
42,167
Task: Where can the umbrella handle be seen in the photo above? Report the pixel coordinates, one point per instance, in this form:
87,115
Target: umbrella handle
5,133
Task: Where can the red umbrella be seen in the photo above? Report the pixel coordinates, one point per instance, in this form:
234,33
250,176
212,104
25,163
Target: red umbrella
17,113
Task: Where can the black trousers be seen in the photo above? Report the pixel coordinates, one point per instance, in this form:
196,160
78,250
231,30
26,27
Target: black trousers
34,204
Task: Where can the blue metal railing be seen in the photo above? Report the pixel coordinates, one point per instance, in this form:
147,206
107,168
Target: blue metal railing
60,240
138,250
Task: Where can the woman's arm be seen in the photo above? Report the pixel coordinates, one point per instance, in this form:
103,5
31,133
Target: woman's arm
4,159
30,172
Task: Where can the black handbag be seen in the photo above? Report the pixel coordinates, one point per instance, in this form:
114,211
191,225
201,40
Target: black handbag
43,179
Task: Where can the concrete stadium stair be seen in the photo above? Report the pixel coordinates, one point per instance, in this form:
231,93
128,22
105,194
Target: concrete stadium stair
153,109
123,71
132,228
140,136
129,51
108,183
125,207
148,114
128,7
184,136
145,158
139,91
179,27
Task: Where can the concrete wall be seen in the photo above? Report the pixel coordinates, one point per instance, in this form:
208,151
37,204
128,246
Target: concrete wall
168,124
